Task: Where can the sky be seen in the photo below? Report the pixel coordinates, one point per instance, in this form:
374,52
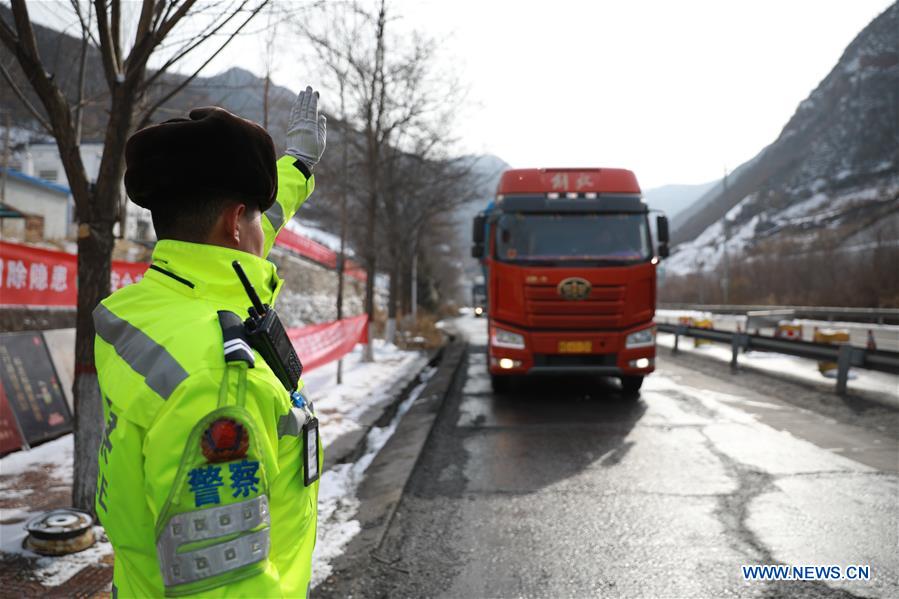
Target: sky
677,91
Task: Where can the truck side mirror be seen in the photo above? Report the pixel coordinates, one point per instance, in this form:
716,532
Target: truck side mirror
477,236
662,232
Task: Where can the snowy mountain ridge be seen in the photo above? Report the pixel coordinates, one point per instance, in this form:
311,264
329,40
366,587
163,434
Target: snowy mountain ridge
829,181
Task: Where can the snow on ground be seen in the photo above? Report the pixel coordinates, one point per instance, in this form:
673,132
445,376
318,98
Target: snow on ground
55,460
337,502
472,328
704,253
881,383
54,454
338,408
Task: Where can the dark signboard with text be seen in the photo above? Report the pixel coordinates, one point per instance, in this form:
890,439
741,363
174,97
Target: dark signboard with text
31,392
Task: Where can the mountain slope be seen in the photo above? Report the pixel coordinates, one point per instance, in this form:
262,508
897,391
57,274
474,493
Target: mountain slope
829,180
674,199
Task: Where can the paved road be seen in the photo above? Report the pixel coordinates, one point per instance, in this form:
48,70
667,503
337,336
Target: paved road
568,489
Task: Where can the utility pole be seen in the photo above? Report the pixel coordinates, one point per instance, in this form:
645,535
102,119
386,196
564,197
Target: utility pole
414,278
414,286
341,259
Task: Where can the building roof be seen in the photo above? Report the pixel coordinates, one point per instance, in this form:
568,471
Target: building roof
20,176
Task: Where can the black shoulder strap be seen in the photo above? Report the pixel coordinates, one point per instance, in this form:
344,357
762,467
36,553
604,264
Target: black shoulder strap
236,346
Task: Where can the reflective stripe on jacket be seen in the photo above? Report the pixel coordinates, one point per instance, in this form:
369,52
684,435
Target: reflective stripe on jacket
200,484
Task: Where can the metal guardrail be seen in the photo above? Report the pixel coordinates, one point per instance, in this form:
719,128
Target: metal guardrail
878,315
844,355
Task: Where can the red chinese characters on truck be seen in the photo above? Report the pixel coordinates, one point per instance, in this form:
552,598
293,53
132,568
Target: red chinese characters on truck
570,268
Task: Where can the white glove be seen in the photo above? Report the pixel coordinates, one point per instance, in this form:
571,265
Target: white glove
307,129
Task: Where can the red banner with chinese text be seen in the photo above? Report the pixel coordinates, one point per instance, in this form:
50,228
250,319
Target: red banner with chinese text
31,276
318,344
38,277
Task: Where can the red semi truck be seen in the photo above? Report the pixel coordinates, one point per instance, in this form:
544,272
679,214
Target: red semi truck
570,271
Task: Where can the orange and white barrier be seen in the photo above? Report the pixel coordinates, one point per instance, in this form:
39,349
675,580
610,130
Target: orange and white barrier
701,323
788,330
832,337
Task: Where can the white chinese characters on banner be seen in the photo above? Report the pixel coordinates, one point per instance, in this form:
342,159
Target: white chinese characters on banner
16,274
37,276
117,281
58,278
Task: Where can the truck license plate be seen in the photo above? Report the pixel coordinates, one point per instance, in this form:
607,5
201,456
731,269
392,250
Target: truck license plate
575,347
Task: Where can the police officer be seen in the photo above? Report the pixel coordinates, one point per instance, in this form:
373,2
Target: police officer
202,486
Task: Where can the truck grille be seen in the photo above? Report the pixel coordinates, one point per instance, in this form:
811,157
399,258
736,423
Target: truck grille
603,308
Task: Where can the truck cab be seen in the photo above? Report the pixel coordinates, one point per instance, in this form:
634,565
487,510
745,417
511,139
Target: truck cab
570,275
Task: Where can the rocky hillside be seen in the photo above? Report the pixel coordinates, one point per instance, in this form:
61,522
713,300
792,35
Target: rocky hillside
831,179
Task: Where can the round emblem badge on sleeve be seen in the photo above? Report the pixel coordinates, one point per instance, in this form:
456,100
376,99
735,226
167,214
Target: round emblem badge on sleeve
224,440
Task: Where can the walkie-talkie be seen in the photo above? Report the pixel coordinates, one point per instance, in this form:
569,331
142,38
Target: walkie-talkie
267,336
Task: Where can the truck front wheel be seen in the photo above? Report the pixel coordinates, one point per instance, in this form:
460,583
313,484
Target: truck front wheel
631,384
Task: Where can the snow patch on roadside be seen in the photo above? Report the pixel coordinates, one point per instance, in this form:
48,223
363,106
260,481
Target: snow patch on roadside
340,407
55,459
56,455
337,502
883,384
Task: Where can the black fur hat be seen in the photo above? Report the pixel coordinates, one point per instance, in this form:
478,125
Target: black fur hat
213,151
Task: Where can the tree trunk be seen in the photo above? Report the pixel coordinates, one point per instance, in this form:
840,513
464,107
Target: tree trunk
265,93
402,283
390,335
97,215
341,268
370,267
344,175
94,260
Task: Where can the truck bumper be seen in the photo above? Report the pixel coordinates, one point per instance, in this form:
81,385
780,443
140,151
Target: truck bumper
541,355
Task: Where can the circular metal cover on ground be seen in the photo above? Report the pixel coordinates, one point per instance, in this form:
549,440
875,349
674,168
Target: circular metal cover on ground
59,532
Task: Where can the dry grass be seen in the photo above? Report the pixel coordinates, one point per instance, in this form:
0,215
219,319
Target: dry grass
778,275
422,334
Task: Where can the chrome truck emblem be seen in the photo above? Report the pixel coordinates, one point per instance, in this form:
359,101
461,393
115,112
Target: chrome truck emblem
574,288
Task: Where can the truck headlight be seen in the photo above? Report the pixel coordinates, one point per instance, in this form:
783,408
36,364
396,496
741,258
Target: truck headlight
641,338
503,338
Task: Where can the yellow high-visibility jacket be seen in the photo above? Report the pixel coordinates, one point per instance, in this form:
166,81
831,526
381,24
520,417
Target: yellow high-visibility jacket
200,484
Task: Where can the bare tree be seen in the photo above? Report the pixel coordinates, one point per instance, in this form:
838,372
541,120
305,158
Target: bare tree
129,82
397,108
269,53
423,189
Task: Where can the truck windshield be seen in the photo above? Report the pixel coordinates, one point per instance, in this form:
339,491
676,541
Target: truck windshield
612,238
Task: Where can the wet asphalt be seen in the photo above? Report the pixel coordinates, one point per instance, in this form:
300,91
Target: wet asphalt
567,488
